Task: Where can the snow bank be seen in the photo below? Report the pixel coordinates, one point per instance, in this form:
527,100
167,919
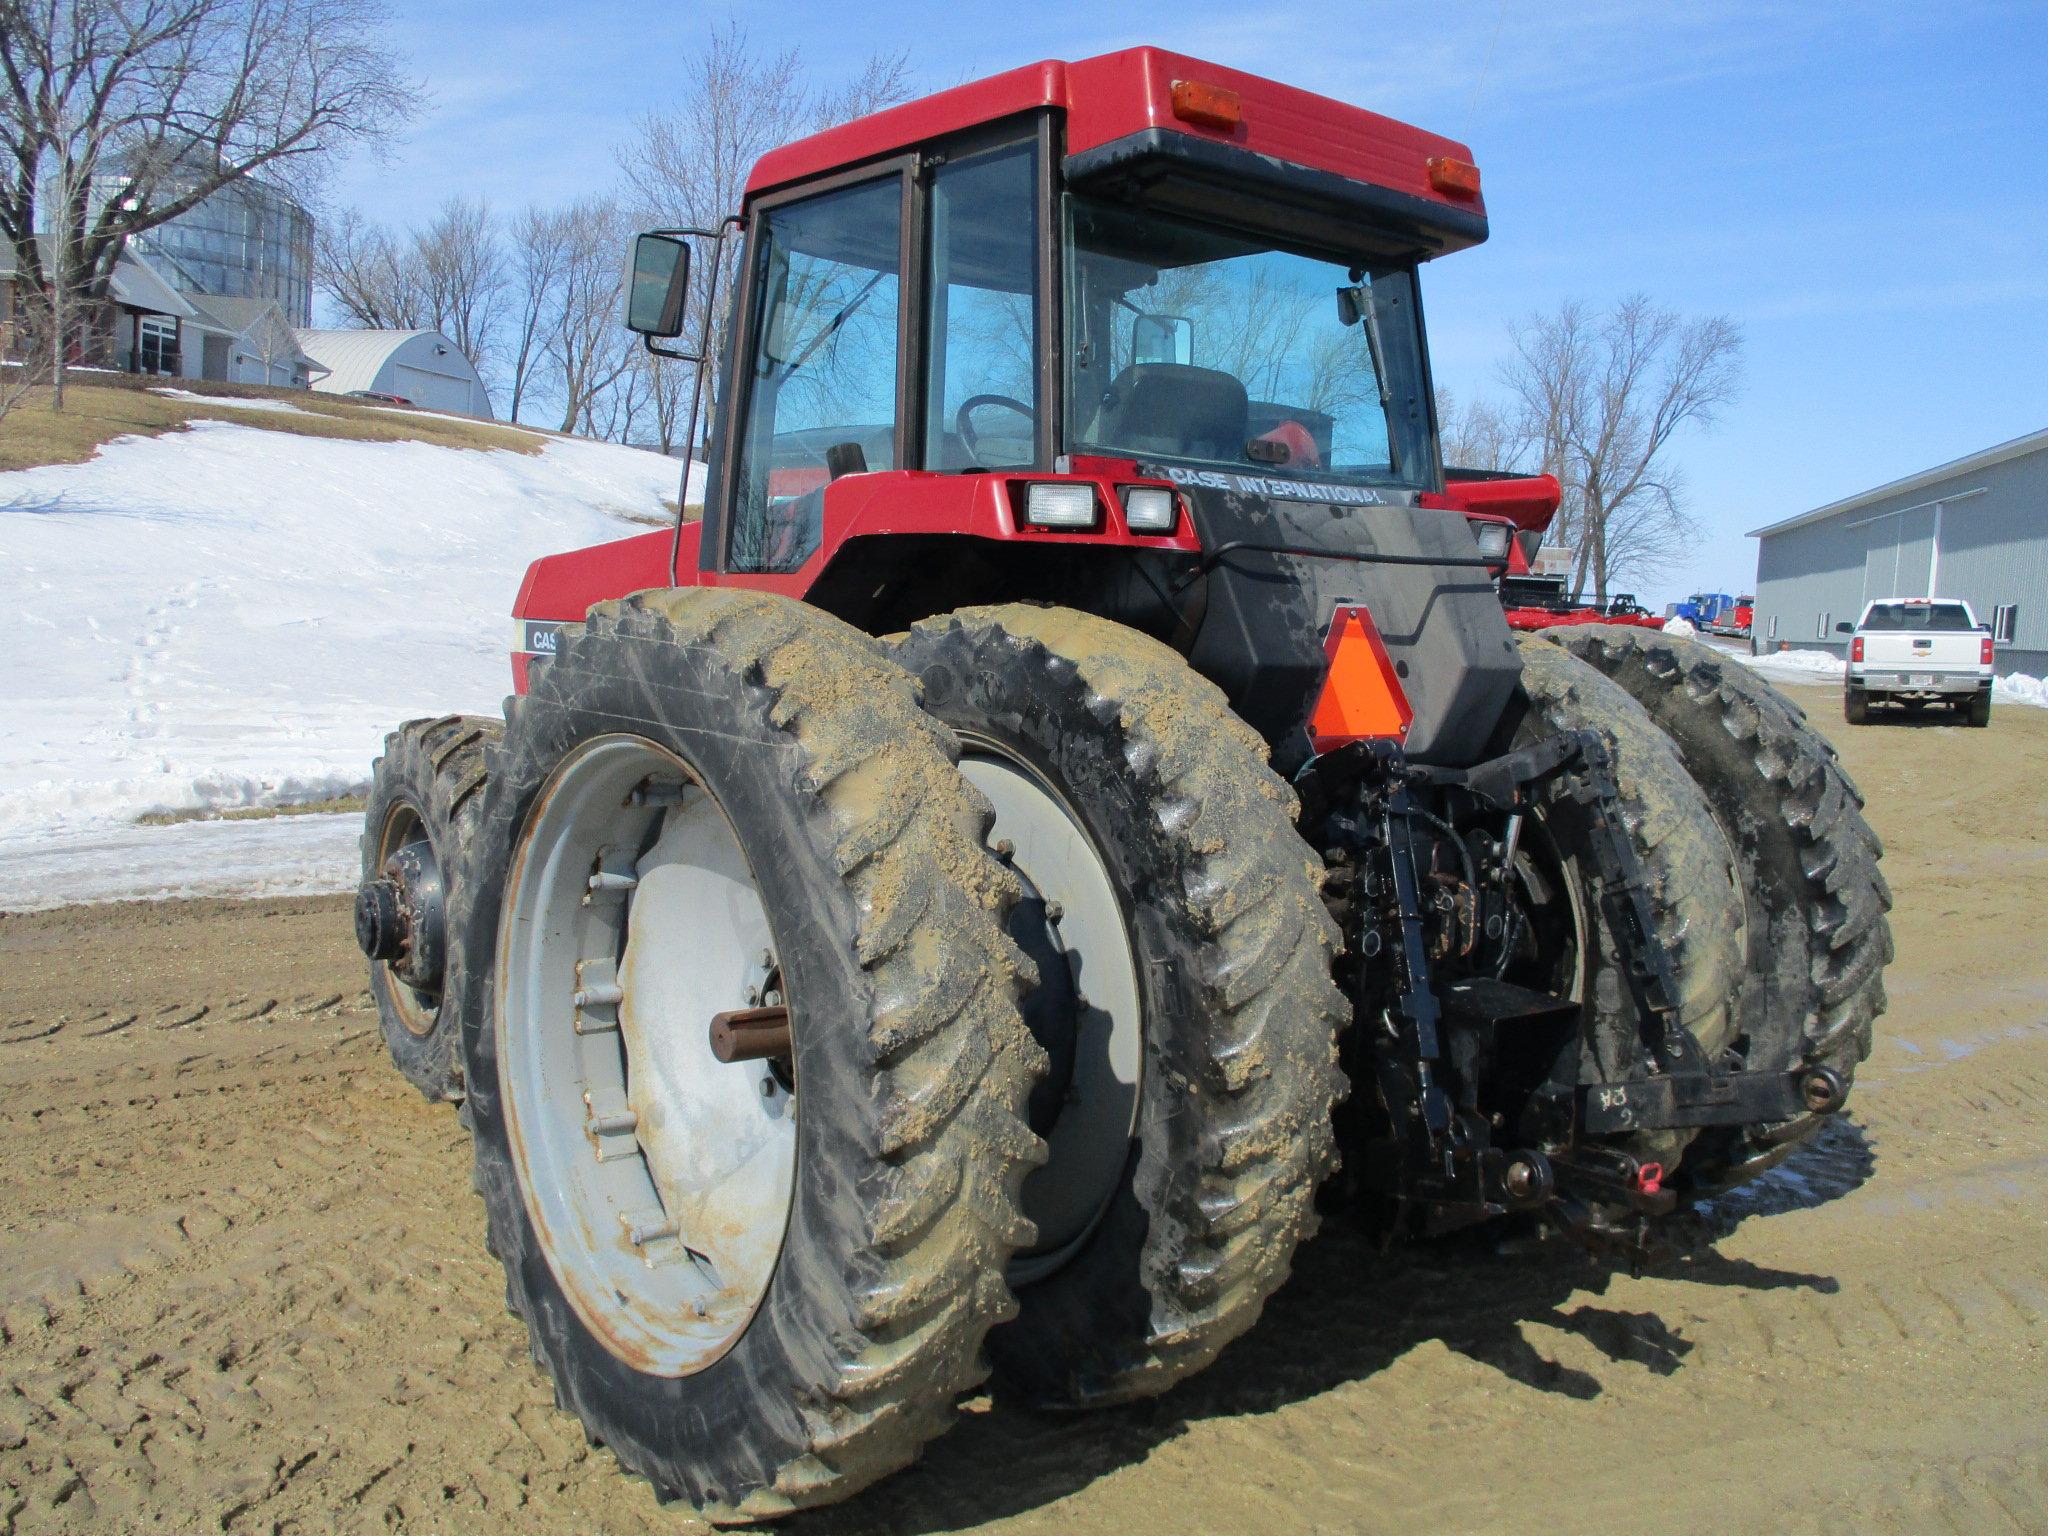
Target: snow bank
1807,667
1677,625
2018,688
230,617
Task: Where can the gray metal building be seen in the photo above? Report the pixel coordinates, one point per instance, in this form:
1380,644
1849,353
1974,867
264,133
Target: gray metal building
1976,529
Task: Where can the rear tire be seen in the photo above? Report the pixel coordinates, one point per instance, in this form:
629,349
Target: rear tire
1238,1013
1818,939
819,1357
427,785
1686,869
1978,711
1856,706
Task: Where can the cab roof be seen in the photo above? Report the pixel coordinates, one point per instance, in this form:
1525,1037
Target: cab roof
1126,99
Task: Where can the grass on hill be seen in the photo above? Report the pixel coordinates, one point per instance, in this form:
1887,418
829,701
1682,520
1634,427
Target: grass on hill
99,407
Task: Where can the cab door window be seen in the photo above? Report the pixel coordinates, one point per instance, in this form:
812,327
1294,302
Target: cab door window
981,389
822,377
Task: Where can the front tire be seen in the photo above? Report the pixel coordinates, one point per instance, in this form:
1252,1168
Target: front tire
425,792
1167,1250
760,1283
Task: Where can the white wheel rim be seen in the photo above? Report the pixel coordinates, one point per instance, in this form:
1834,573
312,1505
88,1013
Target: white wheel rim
1089,1144
659,1179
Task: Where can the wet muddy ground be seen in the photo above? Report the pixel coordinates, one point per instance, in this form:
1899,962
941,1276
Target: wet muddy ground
243,1285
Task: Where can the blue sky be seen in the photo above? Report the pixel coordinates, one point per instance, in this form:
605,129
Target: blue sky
1863,188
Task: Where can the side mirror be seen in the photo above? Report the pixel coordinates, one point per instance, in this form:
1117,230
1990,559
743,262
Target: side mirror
656,285
1844,627
1162,339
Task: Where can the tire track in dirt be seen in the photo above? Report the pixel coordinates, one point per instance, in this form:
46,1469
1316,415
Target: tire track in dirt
243,1285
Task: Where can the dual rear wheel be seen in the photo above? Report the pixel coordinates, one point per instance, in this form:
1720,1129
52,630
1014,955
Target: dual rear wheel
771,1123
830,1015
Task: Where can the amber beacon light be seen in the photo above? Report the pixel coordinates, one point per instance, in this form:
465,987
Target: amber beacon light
1206,106
1454,177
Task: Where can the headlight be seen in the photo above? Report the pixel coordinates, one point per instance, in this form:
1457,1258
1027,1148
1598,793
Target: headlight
1060,504
1149,509
1494,539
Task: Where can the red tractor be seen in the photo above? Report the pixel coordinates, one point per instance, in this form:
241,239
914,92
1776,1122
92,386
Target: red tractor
950,908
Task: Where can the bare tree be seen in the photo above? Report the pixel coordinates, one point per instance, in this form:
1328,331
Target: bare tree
462,277
1479,435
366,274
539,247
588,350
180,98
668,396
23,334
1600,399
687,167
448,276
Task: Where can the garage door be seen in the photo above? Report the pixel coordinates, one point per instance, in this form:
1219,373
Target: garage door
436,391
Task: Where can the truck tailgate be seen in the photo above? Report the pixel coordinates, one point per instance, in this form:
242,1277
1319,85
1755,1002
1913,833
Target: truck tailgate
1938,652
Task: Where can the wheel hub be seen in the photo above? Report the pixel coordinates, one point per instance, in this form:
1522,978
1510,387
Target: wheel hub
401,916
1086,1010
658,1176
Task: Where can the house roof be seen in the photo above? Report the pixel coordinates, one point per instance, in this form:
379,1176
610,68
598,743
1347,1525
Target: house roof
2018,448
237,317
353,359
136,283
232,315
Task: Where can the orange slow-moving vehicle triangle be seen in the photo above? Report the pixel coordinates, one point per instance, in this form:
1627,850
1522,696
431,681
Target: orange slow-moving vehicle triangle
1362,697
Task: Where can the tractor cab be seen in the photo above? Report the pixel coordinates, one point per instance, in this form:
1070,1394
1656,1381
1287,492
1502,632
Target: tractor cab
1138,327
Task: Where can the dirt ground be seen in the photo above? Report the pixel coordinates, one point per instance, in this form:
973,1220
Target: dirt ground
243,1285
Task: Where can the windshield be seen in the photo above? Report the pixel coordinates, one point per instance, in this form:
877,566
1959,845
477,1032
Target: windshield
1192,343
1923,617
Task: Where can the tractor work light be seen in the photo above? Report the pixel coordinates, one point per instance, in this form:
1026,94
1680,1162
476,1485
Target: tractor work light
1494,539
1060,504
1149,509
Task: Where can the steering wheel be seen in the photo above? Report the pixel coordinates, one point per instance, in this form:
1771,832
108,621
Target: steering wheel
965,427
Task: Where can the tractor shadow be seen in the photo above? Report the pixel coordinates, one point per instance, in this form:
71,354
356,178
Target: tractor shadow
1349,1312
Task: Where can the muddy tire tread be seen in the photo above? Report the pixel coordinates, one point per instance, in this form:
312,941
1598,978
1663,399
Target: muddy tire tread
1222,1233
1795,778
1686,860
916,1299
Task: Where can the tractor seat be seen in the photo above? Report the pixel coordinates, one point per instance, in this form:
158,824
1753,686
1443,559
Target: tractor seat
1174,409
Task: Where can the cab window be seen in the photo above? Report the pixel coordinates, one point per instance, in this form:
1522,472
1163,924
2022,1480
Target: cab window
821,380
981,391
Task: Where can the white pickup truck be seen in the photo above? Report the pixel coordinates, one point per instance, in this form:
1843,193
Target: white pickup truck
1916,651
